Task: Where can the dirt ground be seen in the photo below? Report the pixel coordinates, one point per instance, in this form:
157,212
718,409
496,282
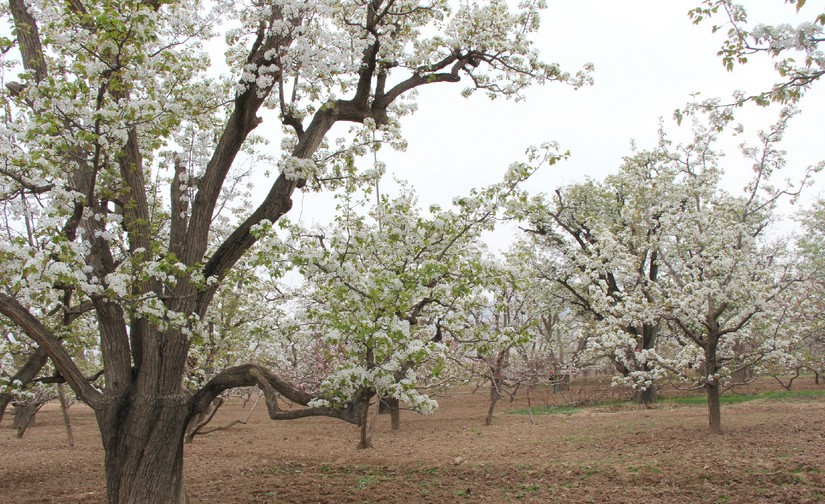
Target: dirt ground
772,451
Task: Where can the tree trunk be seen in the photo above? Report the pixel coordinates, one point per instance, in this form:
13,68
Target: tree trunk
143,446
714,407
64,407
711,372
366,436
645,396
495,395
743,375
561,382
712,386
24,417
5,399
392,406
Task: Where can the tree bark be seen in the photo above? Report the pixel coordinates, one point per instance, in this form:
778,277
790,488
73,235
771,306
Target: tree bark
495,395
714,407
645,396
24,417
395,415
5,399
64,407
711,373
143,446
366,435
392,406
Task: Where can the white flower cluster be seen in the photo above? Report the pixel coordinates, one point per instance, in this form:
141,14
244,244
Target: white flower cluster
295,168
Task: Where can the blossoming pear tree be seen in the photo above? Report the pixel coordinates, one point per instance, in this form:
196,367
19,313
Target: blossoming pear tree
119,136
809,305
597,243
676,275
388,290
504,320
721,293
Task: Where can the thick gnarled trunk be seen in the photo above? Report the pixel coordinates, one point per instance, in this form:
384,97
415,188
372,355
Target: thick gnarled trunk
143,445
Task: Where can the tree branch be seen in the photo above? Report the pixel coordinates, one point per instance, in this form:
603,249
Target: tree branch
28,36
23,318
241,122
272,385
25,375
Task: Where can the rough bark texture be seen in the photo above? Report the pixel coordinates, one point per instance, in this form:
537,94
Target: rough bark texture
143,446
366,432
5,399
395,414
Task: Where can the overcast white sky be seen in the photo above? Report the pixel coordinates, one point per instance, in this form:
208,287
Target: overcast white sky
649,58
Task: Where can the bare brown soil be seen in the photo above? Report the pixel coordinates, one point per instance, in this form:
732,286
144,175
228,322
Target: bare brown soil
772,451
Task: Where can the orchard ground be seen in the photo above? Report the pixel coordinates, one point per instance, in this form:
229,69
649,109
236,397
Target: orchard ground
773,450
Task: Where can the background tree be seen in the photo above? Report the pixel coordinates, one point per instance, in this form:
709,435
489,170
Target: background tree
811,304
114,127
524,336
599,242
724,278
388,289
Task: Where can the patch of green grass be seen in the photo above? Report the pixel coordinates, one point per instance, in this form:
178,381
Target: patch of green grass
371,475
781,395
527,490
778,395
700,399
548,410
287,469
649,468
365,482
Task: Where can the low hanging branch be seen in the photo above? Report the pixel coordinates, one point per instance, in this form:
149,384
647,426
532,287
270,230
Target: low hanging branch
198,429
273,385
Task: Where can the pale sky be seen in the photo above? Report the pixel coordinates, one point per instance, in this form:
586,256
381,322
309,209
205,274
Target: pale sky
648,59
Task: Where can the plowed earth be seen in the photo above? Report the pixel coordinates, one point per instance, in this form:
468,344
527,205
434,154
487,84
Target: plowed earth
772,451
